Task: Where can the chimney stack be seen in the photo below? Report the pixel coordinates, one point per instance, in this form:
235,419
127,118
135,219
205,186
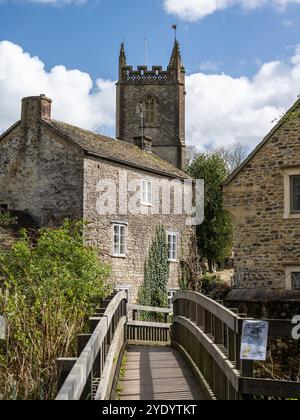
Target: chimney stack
144,143
35,108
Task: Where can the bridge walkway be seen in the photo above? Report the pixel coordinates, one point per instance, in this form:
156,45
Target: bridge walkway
158,373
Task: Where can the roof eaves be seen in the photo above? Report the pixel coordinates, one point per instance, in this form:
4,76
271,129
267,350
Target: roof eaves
117,160
9,130
136,166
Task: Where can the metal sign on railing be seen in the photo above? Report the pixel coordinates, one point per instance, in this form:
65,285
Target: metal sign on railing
254,340
2,328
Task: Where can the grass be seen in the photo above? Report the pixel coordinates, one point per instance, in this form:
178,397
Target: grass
121,378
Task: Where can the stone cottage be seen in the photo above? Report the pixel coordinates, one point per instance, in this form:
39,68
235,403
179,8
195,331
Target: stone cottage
263,198
52,171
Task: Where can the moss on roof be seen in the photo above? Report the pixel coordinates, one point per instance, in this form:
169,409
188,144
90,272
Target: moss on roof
115,150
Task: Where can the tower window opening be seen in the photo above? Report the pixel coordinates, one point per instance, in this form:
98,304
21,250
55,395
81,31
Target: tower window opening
149,109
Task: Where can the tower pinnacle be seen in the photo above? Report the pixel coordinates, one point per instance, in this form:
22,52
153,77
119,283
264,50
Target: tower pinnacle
122,58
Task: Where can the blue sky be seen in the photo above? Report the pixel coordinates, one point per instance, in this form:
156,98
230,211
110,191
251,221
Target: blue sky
220,48
87,36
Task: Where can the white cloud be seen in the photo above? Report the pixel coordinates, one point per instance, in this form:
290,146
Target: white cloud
220,109
193,10
76,99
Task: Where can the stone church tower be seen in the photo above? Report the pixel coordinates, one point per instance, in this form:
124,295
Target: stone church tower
151,103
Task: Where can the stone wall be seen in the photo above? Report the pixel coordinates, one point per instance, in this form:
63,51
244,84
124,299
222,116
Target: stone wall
41,175
265,241
168,131
140,227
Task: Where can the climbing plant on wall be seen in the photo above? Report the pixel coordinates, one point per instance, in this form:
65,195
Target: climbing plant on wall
156,272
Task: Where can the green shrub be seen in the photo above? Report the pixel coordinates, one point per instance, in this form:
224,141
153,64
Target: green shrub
47,290
214,287
7,220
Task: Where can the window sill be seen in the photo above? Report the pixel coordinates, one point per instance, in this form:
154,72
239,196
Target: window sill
173,261
146,204
291,216
122,257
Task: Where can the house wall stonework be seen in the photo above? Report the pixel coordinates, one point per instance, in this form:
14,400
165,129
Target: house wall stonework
265,240
140,228
42,174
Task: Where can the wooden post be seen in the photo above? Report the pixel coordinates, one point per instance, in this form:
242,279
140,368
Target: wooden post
93,322
247,371
218,331
82,340
207,322
63,368
231,345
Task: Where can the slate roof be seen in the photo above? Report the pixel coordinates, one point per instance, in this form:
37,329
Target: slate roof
115,150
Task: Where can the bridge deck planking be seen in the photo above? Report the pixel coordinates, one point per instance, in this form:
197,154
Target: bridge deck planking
154,373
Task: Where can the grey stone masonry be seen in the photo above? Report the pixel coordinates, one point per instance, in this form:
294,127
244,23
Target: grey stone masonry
52,171
257,195
166,126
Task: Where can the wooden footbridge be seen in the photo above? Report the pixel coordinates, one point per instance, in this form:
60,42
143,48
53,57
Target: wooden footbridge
193,355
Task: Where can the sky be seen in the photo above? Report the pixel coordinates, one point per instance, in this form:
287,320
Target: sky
242,59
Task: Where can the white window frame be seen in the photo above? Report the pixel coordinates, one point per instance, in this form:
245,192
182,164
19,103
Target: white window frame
147,193
114,253
288,276
176,235
288,173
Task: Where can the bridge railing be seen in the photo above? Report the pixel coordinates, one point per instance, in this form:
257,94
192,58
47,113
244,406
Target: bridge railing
91,375
152,333
209,336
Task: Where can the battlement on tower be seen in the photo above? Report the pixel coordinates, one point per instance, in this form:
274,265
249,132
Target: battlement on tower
144,74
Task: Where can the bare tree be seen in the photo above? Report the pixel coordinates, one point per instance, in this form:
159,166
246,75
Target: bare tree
191,154
233,154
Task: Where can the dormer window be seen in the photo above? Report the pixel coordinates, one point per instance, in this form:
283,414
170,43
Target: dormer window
149,110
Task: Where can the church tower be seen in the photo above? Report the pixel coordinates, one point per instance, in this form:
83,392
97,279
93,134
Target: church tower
151,103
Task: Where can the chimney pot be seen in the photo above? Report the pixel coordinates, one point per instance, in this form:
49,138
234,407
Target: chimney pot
144,143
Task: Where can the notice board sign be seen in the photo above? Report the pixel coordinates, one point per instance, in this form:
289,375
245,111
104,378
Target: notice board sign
255,340
2,328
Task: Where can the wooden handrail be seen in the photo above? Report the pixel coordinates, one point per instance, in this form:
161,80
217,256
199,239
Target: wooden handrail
96,347
140,308
108,374
209,335
225,315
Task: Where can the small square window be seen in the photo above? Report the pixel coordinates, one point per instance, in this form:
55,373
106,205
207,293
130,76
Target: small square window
172,246
295,193
295,281
119,240
146,192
